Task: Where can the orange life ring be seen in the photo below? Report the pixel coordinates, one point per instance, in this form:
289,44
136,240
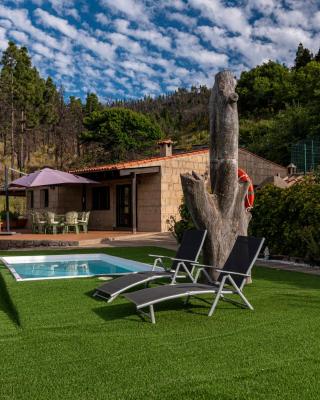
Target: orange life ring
249,200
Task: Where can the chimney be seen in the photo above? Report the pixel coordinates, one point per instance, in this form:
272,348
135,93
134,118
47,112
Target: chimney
292,169
165,147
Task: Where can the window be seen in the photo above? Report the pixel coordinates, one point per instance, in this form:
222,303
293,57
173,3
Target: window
44,198
101,198
30,199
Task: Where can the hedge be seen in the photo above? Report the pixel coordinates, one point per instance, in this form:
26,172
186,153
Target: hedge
289,219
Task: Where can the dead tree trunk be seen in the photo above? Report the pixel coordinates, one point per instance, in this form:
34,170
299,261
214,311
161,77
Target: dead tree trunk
222,211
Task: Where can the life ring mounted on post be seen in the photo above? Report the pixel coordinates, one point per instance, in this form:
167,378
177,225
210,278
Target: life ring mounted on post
249,199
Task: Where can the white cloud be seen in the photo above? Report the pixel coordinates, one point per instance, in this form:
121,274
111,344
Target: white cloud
138,67
57,23
265,7
294,18
232,18
182,18
175,4
188,46
150,35
288,37
151,86
3,39
20,19
5,23
131,8
43,50
120,40
64,64
316,20
102,19
150,46
19,36
103,49
72,12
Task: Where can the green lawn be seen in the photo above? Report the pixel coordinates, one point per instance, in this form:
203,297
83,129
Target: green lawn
57,342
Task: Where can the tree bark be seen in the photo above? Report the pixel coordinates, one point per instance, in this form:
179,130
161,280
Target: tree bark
221,211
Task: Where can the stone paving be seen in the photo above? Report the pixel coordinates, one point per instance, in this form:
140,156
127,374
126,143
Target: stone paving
27,240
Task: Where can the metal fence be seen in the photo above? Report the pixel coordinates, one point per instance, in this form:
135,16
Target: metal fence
305,155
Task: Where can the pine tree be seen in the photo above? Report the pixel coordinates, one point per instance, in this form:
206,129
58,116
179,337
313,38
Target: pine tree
303,57
317,56
92,104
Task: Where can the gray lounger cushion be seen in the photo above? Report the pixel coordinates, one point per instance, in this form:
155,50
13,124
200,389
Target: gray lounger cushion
151,295
110,288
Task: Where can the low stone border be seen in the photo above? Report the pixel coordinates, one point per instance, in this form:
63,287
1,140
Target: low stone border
27,244
289,266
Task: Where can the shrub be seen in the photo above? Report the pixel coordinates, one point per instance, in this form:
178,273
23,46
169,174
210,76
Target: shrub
289,219
12,215
184,224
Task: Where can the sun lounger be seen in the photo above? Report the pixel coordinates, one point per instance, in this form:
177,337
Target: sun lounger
232,279
187,255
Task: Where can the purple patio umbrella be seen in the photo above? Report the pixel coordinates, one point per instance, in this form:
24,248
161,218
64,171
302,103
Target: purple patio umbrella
49,177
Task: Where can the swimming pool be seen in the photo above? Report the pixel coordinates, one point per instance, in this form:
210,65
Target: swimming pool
26,268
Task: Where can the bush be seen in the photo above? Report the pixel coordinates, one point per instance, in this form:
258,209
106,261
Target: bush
184,224
289,219
12,215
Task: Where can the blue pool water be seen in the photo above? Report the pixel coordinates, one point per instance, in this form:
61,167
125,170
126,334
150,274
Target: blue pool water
70,266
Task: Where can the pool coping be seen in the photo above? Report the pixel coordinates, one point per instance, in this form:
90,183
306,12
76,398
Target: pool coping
75,257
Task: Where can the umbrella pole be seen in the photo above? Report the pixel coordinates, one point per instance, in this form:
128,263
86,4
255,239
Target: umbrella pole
6,184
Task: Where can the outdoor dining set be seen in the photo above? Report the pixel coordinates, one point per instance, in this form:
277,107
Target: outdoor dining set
50,222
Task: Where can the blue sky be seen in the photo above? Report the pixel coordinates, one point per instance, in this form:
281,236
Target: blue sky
131,48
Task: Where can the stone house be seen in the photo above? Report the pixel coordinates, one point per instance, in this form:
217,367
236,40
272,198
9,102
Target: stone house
139,195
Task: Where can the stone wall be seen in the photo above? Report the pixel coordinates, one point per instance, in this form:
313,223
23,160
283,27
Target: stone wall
61,199
259,168
171,190
102,219
149,203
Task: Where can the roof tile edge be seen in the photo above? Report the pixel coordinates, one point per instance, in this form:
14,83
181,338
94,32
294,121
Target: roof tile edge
137,163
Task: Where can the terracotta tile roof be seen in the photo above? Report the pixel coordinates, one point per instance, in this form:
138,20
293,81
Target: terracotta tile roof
144,162
293,179
134,163
165,141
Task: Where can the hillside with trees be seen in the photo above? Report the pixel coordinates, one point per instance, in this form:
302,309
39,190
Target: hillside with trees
39,126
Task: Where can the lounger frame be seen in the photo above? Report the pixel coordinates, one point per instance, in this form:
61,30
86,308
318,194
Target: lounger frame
219,290
159,264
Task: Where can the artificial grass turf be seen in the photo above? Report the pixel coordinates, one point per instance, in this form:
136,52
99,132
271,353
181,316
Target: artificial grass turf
71,346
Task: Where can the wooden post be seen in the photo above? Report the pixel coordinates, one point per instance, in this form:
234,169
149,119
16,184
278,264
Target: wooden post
134,202
222,212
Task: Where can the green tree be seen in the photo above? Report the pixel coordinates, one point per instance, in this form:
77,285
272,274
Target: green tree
75,122
123,133
272,138
307,80
92,104
317,56
303,57
265,89
23,90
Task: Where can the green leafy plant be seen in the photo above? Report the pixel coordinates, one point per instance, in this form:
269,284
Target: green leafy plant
12,215
289,219
177,227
